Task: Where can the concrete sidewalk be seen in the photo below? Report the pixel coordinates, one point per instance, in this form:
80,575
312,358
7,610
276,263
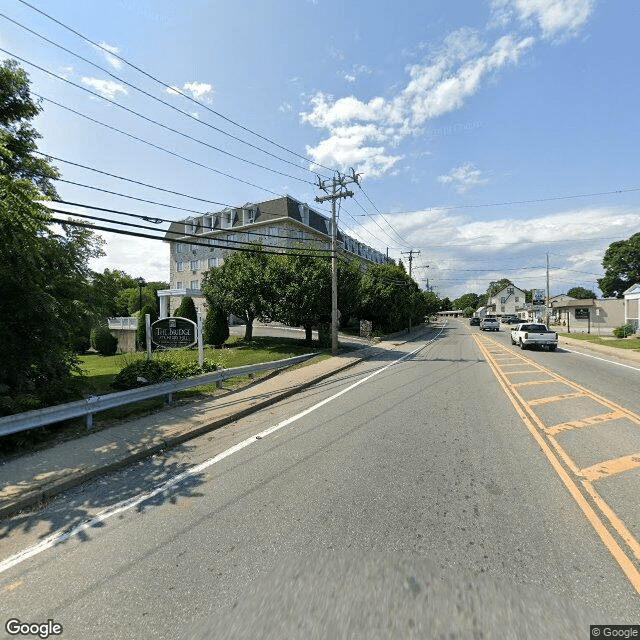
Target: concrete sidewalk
29,479
32,478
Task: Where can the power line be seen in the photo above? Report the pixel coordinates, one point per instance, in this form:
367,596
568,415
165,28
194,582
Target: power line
238,230
143,184
113,102
185,135
87,225
150,95
512,202
167,86
402,239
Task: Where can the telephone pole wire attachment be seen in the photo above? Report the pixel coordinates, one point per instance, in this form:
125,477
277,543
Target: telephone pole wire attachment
335,188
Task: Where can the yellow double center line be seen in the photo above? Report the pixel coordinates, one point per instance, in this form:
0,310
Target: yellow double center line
516,373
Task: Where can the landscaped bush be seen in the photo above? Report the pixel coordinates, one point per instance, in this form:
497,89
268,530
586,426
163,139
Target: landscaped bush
624,331
161,368
103,341
216,327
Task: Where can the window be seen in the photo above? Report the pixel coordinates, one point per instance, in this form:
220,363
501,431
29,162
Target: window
232,238
180,266
214,262
195,284
179,247
503,300
195,265
517,299
189,226
179,284
510,290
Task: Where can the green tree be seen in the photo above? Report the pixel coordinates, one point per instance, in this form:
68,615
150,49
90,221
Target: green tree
387,296
215,330
242,286
303,283
187,309
43,271
445,304
621,263
467,300
18,139
581,293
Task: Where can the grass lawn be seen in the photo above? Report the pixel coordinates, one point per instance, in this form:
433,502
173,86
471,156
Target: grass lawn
99,371
618,343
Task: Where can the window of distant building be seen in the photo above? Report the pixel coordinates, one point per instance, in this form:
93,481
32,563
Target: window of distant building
179,284
195,284
195,265
180,266
179,247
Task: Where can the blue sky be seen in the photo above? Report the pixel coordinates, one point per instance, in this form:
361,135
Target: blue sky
474,123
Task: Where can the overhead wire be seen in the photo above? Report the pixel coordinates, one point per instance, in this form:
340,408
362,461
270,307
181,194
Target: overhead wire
153,97
185,135
239,230
151,120
166,85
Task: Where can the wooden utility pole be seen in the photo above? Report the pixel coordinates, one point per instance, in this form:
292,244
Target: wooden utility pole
338,186
410,253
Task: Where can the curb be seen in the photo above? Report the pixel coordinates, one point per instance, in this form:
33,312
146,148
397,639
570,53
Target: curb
43,493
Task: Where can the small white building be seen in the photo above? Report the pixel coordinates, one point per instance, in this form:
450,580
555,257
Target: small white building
632,306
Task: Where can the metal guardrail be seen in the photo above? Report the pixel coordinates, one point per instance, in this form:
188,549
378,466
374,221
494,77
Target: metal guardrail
94,404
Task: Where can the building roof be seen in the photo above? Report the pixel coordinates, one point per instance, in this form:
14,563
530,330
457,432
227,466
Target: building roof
269,211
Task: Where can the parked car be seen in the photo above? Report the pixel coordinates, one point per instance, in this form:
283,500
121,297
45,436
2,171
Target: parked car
489,324
510,320
474,322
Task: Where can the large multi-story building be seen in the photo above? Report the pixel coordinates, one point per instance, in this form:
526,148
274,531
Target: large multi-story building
202,242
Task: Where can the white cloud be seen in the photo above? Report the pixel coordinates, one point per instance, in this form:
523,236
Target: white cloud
464,177
464,254
106,88
453,74
556,18
107,50
198,90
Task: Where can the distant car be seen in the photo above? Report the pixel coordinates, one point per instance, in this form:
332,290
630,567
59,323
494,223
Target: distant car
474,322
510,320
489,324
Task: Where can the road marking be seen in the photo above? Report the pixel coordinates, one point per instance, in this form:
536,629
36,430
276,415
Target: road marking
586,355
611,467
582,477
125,505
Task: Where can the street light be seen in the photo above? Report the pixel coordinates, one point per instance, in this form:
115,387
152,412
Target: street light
141,283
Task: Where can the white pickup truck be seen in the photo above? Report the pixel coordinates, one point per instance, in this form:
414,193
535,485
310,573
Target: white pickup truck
533,334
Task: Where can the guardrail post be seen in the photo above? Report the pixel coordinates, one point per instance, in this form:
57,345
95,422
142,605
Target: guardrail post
89,421
168,398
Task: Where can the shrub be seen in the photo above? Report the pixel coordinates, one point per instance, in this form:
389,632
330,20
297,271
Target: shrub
187,309
103,341
216,327
160,368
624,331
141,331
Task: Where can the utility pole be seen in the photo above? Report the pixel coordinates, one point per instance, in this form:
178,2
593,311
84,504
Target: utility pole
410,254
547,310
338,185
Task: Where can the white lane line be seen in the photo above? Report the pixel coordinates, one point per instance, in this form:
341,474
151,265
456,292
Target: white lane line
125,505
586,355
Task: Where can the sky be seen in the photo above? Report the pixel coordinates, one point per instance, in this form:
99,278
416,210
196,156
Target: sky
489,134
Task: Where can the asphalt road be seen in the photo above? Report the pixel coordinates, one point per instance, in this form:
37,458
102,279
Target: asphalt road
417,503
